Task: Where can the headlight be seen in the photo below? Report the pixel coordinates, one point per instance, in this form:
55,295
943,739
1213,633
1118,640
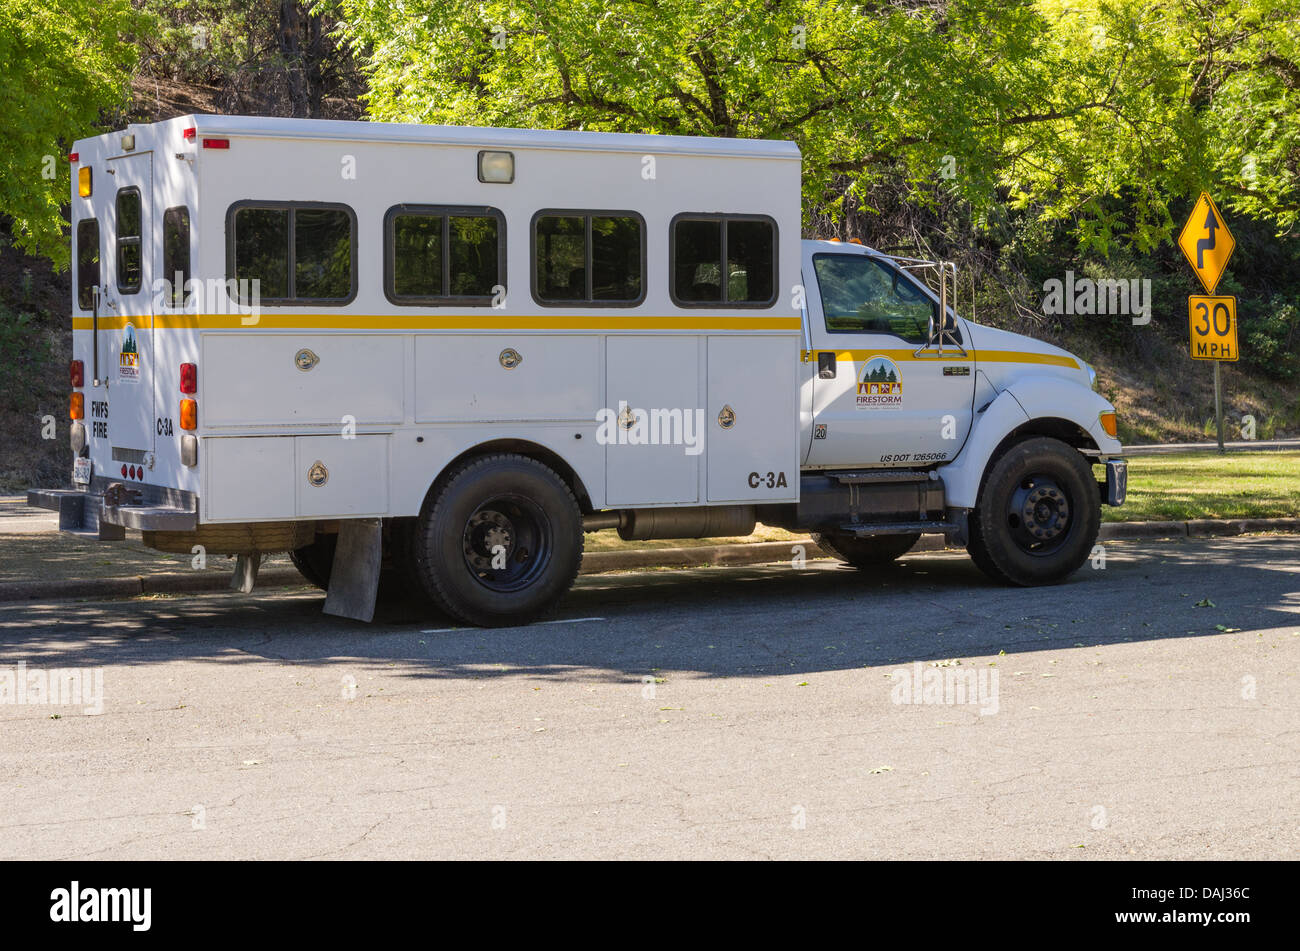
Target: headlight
1092,377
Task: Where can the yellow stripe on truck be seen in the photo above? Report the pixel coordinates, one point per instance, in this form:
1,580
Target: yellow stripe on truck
367,322
956,356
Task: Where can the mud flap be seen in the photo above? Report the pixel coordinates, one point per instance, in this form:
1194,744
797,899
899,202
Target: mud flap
354,579
245,576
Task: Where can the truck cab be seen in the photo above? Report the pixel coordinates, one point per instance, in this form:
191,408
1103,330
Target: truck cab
908,410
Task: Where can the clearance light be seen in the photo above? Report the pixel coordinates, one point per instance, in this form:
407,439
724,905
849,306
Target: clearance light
83,181
77,406
1109,423
189,133
73,156
216,143
189,414
76,373
189,378
128,143
496,167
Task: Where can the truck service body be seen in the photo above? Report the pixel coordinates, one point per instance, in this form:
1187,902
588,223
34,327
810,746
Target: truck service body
450,351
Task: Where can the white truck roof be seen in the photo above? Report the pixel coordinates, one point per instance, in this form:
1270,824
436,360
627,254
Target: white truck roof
414,133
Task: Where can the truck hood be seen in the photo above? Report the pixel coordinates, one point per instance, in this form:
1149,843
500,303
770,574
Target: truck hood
1004,357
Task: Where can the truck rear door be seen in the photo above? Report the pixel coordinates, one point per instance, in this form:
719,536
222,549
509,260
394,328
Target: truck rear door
126,312
880,398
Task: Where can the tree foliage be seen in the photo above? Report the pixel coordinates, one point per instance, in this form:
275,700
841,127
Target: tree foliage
63,63
1056,107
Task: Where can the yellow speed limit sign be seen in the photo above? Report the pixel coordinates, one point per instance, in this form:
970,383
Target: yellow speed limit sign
1213,325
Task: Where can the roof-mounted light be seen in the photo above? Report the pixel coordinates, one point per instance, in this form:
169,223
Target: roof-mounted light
496,167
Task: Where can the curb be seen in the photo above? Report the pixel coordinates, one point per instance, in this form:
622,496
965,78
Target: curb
601,562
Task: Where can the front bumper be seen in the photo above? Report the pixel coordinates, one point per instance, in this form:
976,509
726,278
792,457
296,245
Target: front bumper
106,508
1115,489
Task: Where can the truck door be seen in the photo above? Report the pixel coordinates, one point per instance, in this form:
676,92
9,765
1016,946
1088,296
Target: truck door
126,308
880,397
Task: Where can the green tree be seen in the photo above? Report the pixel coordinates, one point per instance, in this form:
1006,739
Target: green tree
62,65
1054,106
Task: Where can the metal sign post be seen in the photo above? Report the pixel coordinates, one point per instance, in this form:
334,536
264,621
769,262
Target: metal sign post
1218,405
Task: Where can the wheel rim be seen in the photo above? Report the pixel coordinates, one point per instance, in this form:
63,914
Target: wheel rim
507,543
1040,515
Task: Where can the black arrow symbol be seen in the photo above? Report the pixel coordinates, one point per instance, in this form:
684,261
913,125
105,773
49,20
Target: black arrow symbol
1206,244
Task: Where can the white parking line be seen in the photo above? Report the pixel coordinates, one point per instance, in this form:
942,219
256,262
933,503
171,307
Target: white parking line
572,620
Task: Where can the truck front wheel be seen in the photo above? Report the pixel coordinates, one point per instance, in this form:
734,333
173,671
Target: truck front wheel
1038,514
499,541
872,552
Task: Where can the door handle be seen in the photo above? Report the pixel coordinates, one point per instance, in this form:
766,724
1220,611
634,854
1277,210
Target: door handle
825,365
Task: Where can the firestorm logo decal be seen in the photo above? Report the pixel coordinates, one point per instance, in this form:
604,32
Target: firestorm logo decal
128,361
880,384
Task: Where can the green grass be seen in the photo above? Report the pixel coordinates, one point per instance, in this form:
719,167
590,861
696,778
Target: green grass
1191,485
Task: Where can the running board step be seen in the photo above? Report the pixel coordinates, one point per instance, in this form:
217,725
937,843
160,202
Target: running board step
867,529
869,476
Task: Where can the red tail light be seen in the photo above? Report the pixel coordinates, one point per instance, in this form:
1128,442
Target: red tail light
76,373
189,378
216,143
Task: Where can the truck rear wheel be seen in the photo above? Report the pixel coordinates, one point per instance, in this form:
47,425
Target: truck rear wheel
1038,514
864,553
499,541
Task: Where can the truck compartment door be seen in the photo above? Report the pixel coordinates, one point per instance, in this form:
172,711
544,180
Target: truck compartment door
652,386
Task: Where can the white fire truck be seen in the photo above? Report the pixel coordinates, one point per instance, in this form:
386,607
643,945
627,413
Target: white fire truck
449,352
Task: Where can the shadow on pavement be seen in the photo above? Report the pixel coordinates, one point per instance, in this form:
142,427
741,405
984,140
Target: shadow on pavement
719,622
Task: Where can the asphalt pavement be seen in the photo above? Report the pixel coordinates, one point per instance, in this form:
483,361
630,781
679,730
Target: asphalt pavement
1149,708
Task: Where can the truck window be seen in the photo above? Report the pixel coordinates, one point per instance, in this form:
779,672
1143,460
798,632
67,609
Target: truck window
863,295
588,258
128,240
723,261
87,262
176,254
298,251
441,255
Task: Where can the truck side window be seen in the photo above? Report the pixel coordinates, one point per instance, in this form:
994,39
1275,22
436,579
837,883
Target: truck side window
588,258
87,262
723,261
176,255
128,241
863,295
297,251
441,255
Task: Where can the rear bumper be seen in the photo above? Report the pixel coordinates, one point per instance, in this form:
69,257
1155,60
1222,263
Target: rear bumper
85,511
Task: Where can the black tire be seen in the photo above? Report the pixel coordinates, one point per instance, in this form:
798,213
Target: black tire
864,553
503,500
1037,515
316,560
